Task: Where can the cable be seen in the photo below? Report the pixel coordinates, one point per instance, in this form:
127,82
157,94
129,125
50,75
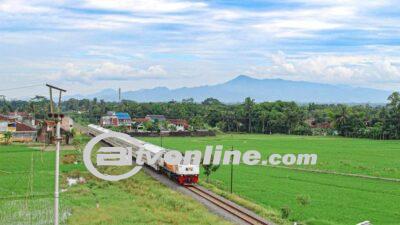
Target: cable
22,87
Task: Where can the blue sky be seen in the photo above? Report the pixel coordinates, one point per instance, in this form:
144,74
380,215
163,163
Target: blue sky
85,46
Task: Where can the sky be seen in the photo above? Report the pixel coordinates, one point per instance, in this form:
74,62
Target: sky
90,45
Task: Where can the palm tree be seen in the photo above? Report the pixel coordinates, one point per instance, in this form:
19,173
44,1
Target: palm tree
263,117
248,108
341,120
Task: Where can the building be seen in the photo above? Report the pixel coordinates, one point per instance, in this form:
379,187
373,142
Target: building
116,119
177,124
67,123
106,121
180,124
21,132
124,119
47,131
139,123
24,133
154,118
23,117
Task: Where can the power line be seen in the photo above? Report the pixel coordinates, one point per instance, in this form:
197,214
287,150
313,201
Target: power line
21,87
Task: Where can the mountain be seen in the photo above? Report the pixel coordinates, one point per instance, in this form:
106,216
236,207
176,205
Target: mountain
259,89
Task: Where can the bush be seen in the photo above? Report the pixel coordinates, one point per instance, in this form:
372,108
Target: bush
285,211
302,130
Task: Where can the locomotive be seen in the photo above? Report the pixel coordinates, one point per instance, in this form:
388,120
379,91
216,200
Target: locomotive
182,174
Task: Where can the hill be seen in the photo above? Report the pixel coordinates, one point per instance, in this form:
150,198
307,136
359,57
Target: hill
243,86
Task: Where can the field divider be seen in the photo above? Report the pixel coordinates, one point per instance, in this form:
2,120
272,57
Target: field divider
337,173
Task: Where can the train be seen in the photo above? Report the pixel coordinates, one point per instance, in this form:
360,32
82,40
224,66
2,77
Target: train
182,174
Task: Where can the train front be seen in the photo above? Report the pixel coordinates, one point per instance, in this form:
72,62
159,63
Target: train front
183,174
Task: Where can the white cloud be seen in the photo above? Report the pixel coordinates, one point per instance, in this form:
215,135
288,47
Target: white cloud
106,71
22,6
340,69
162,6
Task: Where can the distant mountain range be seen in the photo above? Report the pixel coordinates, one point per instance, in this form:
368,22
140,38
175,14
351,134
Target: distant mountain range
259,89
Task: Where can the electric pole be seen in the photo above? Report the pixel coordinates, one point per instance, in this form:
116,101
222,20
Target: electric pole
232,174
119,94
4,100
57,116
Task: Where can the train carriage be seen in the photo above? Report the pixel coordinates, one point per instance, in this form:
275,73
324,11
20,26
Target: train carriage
183,174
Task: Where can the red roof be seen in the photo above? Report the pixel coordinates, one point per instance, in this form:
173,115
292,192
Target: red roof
6,118
140,120
23,127
50,123
23,114
181,122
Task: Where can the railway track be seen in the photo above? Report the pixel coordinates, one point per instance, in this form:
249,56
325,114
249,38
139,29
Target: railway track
243,214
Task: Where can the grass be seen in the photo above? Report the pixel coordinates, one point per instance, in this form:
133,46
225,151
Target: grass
26,186
334,199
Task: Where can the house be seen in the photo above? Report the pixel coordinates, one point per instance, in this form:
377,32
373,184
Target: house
24,133
154,118
106,121
67,123
180,124
139,123
21,132
314,124
47,132
124,119
7,123
116,119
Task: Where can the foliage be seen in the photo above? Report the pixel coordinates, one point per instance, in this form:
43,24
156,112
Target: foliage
28,188
209,169
365,121
285,211
303,200
6,137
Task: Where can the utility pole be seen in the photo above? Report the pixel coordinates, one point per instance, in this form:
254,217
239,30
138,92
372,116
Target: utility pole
119,94
4,100
232,174
57,116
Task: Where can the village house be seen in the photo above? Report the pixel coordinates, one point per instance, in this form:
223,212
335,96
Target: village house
21,132
154,118
178,124
23,117
116,119
47,131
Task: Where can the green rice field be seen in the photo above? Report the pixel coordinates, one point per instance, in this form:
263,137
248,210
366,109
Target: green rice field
332,199
26,195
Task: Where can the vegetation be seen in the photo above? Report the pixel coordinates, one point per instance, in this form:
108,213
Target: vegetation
376,122
209,169
328,198
6,137
26,187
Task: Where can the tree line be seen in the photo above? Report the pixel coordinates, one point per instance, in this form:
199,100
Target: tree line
363,120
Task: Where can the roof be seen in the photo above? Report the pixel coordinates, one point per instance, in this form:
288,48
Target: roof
140,120
24,127
50,123
122,116
18,114
6,118
156,117
181,122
